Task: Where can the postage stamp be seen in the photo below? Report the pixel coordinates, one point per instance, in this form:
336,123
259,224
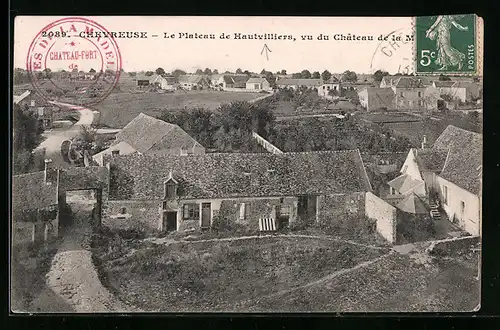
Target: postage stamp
67,46
446,44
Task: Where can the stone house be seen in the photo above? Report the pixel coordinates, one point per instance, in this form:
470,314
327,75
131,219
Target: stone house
163,82
148,135
408,91
374,98
231,81
258,84
35,211
449,171
173,192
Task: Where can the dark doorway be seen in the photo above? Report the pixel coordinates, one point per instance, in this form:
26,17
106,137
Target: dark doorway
306,208
206,214
169,221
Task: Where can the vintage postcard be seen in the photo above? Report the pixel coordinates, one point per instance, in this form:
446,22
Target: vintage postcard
246,164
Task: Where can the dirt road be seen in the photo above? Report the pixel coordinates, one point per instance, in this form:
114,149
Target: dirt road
73,278
54,138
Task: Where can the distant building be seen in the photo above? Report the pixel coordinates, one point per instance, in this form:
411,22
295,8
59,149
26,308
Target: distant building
408,91
148,135
299,83
258,84
193,82
374,98
163,82
333,84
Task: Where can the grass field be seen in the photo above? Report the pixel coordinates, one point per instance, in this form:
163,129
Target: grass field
286,274
220,276
118,109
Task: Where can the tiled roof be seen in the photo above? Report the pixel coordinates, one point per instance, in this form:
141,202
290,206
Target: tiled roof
190,79
444,83
412,204
431,159
29,192
223,175
122,146
403,81
145,133
463,166
237,80
256,80
300,82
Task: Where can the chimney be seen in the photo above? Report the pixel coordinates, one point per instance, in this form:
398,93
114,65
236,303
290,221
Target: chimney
50,174
424,142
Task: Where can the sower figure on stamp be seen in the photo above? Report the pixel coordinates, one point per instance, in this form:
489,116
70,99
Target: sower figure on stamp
440,31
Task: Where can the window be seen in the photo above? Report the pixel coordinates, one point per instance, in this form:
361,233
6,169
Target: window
420,103
462,208
445,195
404,168
244,208
419,94
284,210
328,87
115,152
123,210
191,211
183,151
170,190
256,86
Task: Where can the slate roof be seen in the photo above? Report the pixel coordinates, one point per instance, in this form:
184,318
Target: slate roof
145,133
300,82
412,204
29,192
463,166
19,98
227,175
430,159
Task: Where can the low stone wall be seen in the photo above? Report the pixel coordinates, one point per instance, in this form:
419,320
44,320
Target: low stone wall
139,215
333,207
384,214
445,246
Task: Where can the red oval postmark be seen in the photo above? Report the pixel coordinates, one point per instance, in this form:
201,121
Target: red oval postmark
68,60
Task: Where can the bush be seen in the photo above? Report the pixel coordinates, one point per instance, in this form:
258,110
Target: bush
223,224
300,223
414,228
350,226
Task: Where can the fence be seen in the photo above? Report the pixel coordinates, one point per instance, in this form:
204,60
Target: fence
267,224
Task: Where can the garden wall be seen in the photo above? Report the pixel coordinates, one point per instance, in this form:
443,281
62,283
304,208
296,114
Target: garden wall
384,214
446,246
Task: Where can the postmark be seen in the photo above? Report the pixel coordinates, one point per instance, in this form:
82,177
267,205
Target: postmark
446,44
392,52
65,63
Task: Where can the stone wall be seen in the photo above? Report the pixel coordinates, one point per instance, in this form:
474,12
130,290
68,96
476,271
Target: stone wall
445,246
332,207
258,208
82,178
139,215
384,214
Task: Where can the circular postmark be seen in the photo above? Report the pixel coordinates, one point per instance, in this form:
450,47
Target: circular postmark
74,59
394,53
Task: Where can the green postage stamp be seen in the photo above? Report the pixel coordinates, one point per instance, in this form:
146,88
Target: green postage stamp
447,44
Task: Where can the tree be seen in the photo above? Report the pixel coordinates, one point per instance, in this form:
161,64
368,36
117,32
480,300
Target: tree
47,73
132,74
442,77
215,71
27,133
248,73
326,75
178,72
316,75
263,71
92,70
349,76
199,71
305,74
283,72
207,71
160,71
239,71
149,73
379,74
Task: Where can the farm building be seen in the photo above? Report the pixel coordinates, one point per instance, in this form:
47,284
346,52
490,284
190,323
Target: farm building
173,192
193,82
258,84
142,79
408,91
373,98
327,86
148,135
163,82
299,83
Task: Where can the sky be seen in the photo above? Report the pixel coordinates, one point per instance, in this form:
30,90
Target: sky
229,54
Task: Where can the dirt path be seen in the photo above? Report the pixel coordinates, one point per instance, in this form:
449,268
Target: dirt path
168,241
73,276
54,138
